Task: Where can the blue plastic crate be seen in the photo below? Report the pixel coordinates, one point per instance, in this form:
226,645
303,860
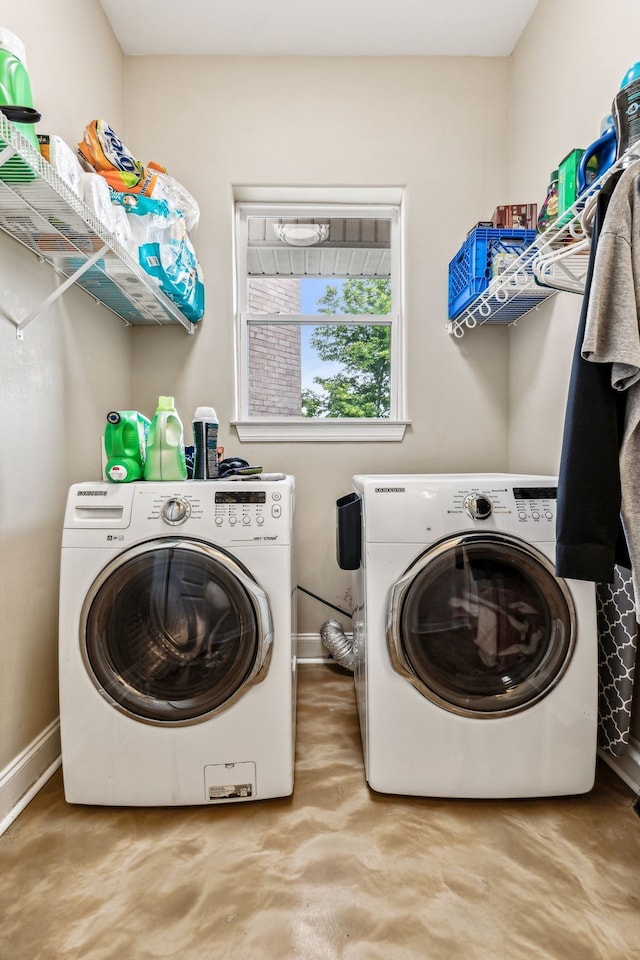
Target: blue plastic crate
470,269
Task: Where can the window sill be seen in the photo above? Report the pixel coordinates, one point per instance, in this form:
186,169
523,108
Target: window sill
300,429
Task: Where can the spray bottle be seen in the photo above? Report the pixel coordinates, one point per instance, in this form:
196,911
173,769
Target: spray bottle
165,458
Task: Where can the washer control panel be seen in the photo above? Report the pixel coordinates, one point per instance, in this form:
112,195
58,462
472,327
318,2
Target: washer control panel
248,509
106,514
223,513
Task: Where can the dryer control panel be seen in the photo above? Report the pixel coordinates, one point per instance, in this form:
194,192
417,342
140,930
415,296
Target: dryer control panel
522,504
535,503
423,508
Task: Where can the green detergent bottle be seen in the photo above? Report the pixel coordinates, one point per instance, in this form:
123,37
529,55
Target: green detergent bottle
125,444
165,445
16,103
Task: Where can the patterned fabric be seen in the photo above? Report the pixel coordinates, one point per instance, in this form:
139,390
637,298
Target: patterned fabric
617,644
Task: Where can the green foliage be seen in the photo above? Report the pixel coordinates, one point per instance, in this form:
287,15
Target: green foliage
362,388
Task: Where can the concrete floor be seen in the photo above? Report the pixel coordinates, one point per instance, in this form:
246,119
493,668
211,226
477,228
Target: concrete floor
335,871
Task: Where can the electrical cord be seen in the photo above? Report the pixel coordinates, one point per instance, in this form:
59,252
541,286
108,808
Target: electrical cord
326,602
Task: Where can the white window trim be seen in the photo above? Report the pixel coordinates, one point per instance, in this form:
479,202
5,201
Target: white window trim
383,201
303,428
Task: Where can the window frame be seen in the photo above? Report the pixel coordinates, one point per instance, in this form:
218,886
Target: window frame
381,203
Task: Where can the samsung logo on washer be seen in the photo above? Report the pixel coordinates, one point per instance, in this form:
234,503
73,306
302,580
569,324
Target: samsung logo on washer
390,489
92,493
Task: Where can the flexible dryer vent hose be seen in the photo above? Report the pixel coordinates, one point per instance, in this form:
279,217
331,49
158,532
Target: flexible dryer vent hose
337,643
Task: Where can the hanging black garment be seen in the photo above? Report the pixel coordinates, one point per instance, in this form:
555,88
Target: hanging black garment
590,540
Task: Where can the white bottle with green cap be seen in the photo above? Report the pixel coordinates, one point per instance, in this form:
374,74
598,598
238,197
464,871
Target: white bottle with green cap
165,444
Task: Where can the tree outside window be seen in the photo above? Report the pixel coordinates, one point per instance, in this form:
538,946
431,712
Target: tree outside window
362,388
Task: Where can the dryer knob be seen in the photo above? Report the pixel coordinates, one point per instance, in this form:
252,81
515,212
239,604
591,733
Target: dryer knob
477,506
175,511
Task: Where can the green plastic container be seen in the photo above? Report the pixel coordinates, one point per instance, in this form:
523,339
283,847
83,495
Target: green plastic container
165,458
15,91
125,443
568,180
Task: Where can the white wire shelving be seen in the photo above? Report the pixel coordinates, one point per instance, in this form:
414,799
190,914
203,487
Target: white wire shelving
557,260
41,211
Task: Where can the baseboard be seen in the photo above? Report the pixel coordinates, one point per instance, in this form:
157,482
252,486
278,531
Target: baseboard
24,776
628,765
309,649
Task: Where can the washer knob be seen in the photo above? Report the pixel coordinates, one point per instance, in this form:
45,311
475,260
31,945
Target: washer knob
175,510
478,506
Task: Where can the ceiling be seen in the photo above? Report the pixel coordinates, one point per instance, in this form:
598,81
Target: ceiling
478,28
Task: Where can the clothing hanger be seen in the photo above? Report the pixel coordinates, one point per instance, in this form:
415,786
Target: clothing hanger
564,269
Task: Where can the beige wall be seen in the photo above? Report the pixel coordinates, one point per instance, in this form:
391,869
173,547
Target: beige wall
565,73
435,126
73,365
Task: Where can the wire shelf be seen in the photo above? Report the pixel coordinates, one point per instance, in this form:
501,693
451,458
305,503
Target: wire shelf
557,260
41,211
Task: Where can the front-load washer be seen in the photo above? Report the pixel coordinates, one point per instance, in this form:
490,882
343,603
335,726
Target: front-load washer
176,658
475,667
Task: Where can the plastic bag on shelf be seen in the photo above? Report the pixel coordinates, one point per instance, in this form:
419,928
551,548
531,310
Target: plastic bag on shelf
105,153
165,251
168,188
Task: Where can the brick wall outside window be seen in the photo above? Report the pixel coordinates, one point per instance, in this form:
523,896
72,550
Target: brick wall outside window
274,351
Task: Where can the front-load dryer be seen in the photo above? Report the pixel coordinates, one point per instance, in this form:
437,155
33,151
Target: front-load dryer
177,667
475,667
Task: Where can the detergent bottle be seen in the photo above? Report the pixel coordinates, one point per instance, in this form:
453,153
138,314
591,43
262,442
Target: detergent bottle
205,439
626,110
125,444
16,102
165,458
599,156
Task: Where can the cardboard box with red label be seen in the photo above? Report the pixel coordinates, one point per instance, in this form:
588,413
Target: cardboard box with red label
515,216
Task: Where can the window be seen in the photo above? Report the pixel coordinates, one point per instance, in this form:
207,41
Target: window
318,318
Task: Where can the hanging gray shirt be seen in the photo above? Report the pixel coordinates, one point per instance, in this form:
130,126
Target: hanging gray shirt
612,335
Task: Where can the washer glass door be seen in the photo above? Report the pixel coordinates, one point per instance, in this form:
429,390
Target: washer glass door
480,625
174,630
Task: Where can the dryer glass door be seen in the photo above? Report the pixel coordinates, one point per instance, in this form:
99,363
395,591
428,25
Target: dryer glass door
481,625
175,630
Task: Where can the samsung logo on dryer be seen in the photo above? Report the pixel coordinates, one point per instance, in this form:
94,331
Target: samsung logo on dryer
92,493
389,489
